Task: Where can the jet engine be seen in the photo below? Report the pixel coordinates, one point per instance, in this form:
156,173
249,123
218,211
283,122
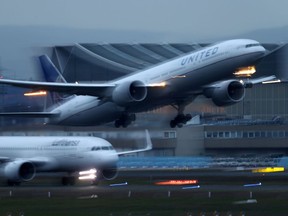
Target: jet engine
129,92
110,173
228,93
18,171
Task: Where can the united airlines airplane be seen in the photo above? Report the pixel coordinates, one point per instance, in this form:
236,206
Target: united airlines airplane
214,71
22,157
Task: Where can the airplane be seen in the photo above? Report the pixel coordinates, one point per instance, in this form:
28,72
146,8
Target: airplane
22,157
214,71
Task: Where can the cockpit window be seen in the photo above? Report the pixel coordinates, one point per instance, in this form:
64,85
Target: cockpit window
105,148
252,45
95,148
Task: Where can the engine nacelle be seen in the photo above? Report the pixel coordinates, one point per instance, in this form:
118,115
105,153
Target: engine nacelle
18,171
129,92
110,173
228,93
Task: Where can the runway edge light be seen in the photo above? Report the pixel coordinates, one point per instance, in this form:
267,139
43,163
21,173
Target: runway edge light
269,170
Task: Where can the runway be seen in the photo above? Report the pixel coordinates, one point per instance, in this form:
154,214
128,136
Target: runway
136,193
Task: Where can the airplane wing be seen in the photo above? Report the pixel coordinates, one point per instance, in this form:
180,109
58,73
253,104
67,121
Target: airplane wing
248,83
37,161
30,115
260,80
147,148
92,89
41,161
4,159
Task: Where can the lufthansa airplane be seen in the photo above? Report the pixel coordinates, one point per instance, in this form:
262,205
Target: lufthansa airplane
214,71
94,158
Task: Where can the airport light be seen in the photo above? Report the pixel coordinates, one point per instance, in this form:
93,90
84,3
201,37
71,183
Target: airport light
38,93
253,185
177,182
191,187
269,170
119,184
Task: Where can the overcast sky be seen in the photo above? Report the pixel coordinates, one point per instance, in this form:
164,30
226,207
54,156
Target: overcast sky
199,18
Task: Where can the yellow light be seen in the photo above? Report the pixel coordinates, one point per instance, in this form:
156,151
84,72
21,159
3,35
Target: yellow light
161,84
269,170
245,71
39,93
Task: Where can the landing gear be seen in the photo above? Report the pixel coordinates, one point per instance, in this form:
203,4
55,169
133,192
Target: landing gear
68,180
125,120
13,183
181,119
95,182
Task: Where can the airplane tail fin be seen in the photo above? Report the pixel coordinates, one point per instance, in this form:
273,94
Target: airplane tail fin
51,73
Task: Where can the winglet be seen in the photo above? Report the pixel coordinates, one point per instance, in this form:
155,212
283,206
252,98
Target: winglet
148,141
147,148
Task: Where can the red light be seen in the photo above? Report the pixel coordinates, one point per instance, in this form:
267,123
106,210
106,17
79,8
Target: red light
177,182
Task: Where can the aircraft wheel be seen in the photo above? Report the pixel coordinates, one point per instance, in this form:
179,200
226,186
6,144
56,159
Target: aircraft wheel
173,123
117,124
70,180
95,182
12,183
65,181
133,117
188,117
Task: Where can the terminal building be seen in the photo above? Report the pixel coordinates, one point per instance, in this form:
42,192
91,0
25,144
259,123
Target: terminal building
256,125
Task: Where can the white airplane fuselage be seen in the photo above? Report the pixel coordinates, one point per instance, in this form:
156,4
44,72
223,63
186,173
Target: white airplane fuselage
30,155
183,76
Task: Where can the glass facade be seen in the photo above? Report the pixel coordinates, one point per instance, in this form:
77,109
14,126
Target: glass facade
265,101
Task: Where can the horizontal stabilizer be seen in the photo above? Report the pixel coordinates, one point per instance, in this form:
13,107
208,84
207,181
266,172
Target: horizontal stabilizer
30,114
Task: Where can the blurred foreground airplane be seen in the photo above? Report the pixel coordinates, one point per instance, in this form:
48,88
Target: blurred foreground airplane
22,157
218,71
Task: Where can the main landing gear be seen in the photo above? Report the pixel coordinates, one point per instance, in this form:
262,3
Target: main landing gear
181,119
68,180
125,120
